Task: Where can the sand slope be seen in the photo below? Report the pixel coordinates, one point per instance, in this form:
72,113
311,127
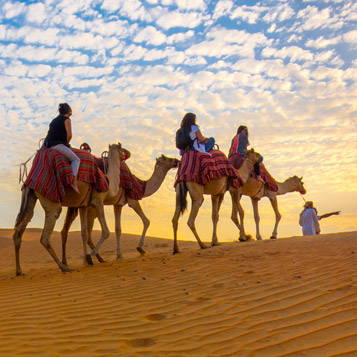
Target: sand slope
289,297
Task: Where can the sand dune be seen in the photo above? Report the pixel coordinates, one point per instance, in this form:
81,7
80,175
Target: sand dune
289,297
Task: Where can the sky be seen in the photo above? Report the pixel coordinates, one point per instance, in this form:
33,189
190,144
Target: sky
131,69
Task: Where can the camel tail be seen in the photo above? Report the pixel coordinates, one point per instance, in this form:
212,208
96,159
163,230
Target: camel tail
28,198
183,197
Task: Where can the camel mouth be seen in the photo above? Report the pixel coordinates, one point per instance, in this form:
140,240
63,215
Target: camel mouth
303,191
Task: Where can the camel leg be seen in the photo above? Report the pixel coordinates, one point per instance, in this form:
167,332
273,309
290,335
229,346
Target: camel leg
91,216
84,234
216,205
175,220
237,208
21,226
52,213
242,236
256,218
105,230
274,204
71,215
196,204
117,215
135,205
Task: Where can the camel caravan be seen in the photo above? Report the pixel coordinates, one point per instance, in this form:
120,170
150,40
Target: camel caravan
62,176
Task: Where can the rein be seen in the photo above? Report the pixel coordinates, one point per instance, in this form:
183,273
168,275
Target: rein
23,168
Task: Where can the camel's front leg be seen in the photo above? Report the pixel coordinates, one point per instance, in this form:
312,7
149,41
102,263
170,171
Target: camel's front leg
175,220
105,230
256,218
196,204
83,211
21,225
91,216
117,217
51,215
237,207
242,236
274,204
135,205
216,205
71,215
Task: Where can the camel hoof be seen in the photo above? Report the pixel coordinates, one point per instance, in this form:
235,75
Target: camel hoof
243,239
215,244
140,250
66,270
272,237
100,259
89,260
203,247
19,273
175,252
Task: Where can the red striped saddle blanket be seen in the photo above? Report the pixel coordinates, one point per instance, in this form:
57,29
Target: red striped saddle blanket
51,172
133,186
237,161
202,168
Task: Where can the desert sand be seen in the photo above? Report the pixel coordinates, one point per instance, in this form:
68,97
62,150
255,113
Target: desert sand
288,297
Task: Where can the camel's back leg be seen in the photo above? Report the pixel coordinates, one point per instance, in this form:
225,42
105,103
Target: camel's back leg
197,200
52,212
28,203
135,205
71,215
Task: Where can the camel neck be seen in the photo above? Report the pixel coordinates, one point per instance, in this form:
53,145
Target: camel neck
156,179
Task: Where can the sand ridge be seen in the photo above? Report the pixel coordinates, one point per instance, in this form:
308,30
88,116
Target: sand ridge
288,297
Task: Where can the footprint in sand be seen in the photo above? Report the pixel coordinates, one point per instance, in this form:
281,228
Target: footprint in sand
155,317
141,342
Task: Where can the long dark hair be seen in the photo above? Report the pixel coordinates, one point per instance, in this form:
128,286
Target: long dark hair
188,120
64,108
241,128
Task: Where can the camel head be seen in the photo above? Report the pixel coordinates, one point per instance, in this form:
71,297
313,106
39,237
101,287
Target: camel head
298,184
251,155
123,153
166,163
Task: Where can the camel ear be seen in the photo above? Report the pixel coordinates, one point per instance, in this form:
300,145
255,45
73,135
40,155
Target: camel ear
300,178
119,144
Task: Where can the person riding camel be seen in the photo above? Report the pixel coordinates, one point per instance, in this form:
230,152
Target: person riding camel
190,137
59,136
239,144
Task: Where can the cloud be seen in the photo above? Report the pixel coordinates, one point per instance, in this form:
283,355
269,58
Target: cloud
249,14
36,13
151,36
13,9
223,8
351,37
280,13
191,4
173,19
322,42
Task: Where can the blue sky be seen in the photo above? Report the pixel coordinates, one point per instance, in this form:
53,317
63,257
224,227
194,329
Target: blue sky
131,69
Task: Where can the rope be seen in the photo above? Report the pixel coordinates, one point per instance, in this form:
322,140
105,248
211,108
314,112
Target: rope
104,155
23,168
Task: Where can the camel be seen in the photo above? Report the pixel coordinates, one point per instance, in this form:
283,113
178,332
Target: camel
88,196
162,166
216,188
256,190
